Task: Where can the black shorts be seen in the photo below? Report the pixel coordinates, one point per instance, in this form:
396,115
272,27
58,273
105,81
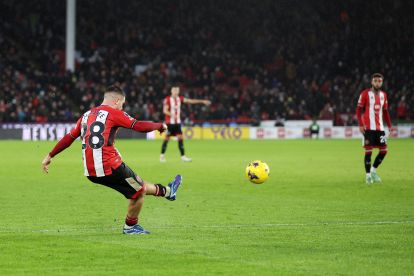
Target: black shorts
374,139
174,129
122,179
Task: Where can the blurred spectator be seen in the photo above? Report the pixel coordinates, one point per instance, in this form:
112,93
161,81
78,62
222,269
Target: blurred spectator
402,109
326,113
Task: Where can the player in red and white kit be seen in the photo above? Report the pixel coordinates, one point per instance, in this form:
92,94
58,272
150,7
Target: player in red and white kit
172,111
372,111
102,163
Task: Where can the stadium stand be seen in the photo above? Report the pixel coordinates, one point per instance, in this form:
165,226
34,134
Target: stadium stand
255,60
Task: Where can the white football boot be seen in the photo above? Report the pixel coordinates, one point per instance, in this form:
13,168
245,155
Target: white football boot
186,159
162,158
368,179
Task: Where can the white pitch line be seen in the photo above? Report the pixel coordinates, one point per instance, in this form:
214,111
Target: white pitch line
192,226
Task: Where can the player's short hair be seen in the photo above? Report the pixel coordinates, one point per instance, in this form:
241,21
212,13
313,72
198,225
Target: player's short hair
115,89
377,75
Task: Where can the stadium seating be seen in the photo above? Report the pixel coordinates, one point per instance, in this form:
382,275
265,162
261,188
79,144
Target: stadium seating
254,60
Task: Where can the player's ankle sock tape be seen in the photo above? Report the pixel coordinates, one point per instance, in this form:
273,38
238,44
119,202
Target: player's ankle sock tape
131,221
160,190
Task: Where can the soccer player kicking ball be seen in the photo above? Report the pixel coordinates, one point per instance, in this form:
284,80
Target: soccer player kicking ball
102,163
375,103
172,112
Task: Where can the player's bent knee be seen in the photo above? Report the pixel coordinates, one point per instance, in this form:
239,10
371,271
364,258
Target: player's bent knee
368,151
140,193
383,150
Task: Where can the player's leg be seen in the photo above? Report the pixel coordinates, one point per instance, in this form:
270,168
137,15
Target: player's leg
132,187
367,164
131,221
381,143
181,148
135,204
380,157
181,144
164,147
367,142
134,208
127,183
159,190
137,198
378,160
156,189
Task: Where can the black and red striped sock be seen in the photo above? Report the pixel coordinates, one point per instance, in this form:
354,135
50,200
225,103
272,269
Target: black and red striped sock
131,221
160,190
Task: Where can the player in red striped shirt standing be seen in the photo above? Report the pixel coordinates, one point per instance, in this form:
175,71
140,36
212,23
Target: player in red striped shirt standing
97,129
372,111
172,112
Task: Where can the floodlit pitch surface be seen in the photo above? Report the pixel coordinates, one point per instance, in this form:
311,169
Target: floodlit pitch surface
315,214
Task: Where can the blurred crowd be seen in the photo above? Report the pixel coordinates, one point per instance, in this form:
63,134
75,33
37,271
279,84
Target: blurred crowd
255,60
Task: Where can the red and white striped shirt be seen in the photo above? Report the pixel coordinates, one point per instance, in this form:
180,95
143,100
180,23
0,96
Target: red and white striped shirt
174,107
97,129
375,105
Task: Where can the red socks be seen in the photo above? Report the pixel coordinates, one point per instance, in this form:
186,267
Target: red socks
131,221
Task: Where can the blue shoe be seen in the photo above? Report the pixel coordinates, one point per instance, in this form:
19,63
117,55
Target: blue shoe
135,230
174,187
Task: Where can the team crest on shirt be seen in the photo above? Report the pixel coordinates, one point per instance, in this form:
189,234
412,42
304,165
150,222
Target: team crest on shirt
129,117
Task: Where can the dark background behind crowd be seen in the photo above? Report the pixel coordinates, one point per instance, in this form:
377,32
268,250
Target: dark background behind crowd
255,60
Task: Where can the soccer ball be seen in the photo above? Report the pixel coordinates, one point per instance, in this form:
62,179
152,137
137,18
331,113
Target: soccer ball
257,172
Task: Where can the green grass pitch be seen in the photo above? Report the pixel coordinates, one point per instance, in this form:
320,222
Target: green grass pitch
315,215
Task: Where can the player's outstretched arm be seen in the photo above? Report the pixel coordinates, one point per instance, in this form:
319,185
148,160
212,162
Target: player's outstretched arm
63,143
196,101
144,126
46,162
123,119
